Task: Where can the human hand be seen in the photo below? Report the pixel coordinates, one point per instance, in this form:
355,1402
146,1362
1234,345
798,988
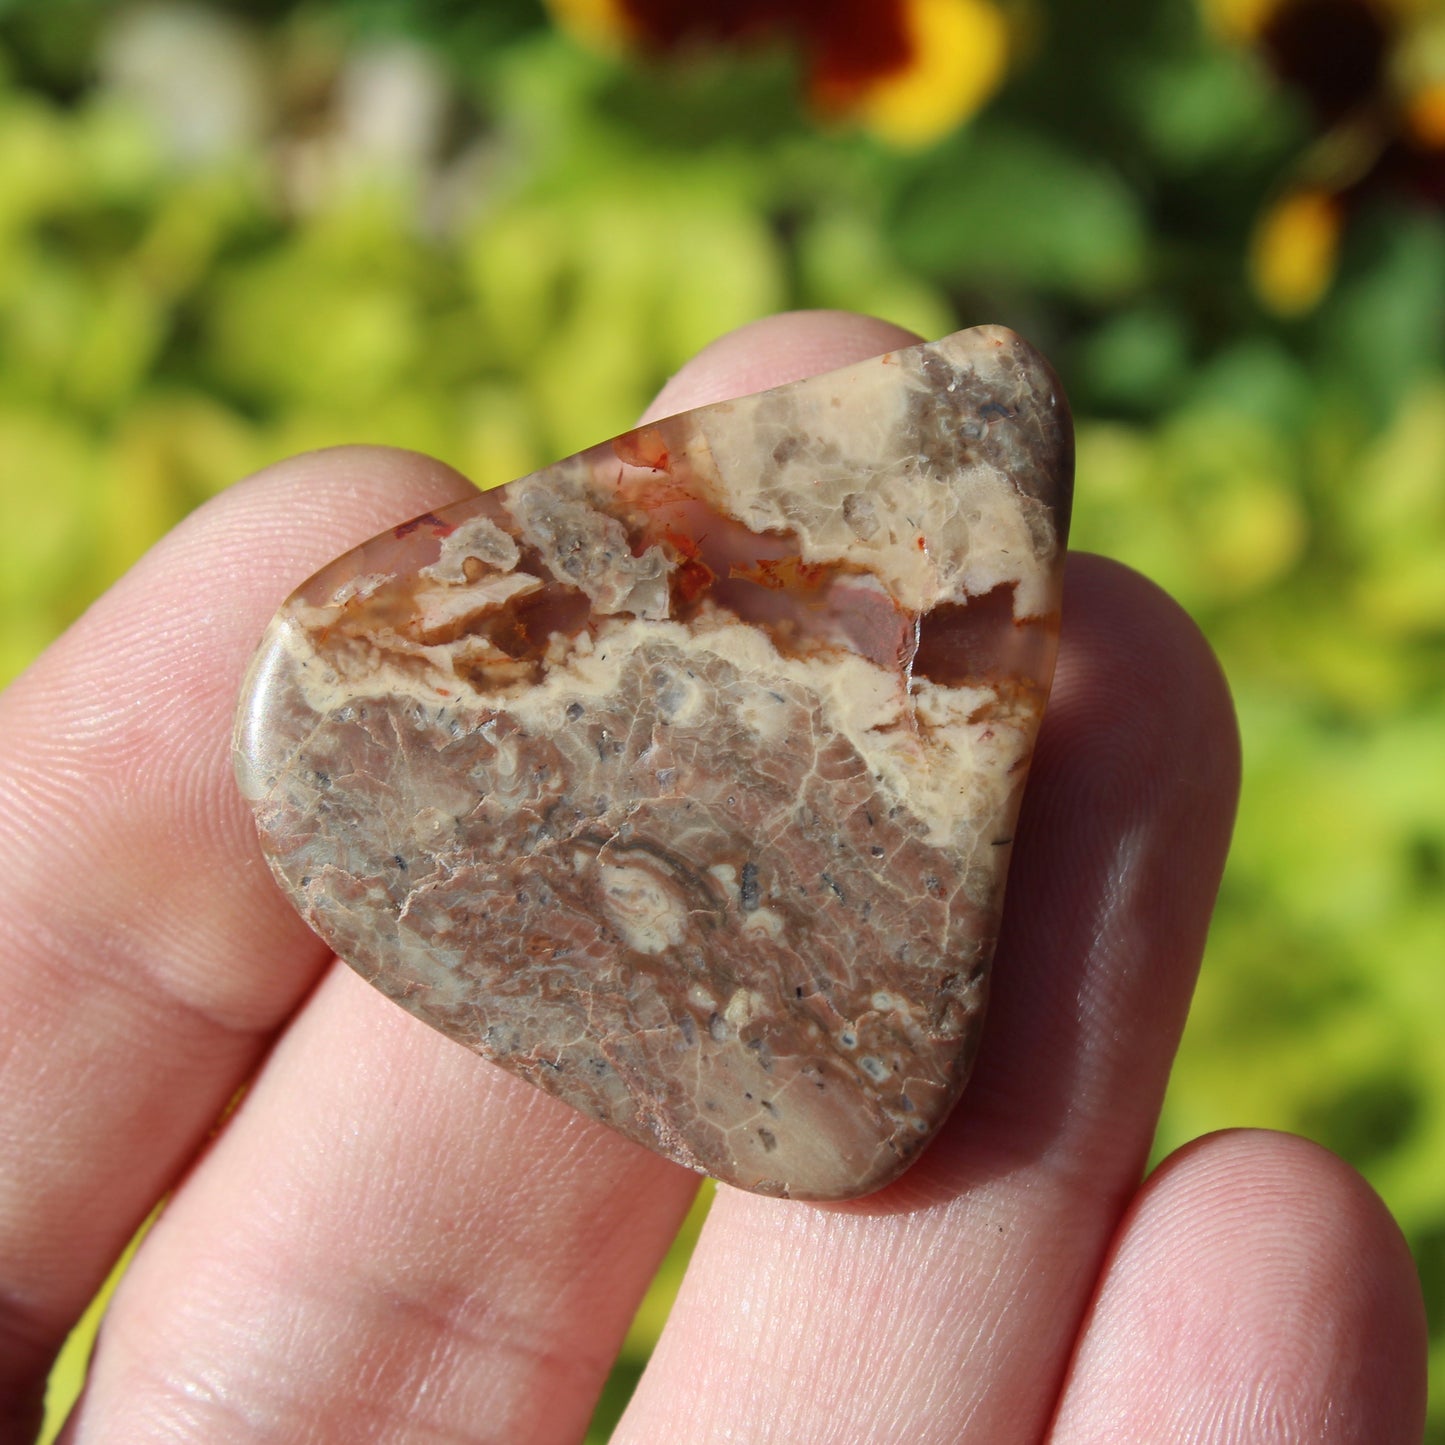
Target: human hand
390,1240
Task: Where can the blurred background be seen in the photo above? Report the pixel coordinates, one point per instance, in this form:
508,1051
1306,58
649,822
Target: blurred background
229,232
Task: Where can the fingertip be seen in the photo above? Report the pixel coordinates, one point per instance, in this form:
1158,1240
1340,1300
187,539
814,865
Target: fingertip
1122,838
297,514
1287,1198
1257,1290
1131,653
1295,1202
773,351
1140,733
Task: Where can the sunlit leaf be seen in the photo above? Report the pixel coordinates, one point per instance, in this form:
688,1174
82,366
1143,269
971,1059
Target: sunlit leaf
1008,207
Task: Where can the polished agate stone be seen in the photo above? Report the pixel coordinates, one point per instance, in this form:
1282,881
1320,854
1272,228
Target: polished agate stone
680,777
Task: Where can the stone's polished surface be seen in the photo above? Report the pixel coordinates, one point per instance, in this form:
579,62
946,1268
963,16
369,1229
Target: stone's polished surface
680,777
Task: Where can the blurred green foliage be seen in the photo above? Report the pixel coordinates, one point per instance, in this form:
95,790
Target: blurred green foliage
199,278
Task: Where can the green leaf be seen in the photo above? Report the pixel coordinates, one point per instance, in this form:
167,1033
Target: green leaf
1010,207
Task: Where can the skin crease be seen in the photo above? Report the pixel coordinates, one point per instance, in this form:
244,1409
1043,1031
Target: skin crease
392,1241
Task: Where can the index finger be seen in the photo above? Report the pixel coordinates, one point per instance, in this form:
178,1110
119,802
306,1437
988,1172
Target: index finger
146,956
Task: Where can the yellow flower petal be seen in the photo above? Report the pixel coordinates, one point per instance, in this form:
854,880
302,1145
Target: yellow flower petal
1238,19
1425,113
1296,245
959,53
601,23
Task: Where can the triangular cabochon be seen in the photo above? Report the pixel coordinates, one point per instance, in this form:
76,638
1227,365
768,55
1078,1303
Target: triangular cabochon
680,777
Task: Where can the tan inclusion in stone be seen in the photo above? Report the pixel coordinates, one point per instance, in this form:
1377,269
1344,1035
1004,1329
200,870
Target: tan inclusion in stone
680,777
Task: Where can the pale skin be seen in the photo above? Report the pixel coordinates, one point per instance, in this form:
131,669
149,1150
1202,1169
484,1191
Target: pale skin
393,1241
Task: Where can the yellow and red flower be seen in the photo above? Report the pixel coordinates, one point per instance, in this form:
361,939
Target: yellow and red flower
1373,75
910,70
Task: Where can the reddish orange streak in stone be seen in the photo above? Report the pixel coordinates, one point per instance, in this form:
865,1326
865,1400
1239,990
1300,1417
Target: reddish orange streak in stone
681,543
427,519
643,448
692,577
786,574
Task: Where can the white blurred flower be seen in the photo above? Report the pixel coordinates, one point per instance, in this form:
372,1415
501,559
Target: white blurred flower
199,76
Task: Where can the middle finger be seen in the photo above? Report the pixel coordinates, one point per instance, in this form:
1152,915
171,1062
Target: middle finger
945,1308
